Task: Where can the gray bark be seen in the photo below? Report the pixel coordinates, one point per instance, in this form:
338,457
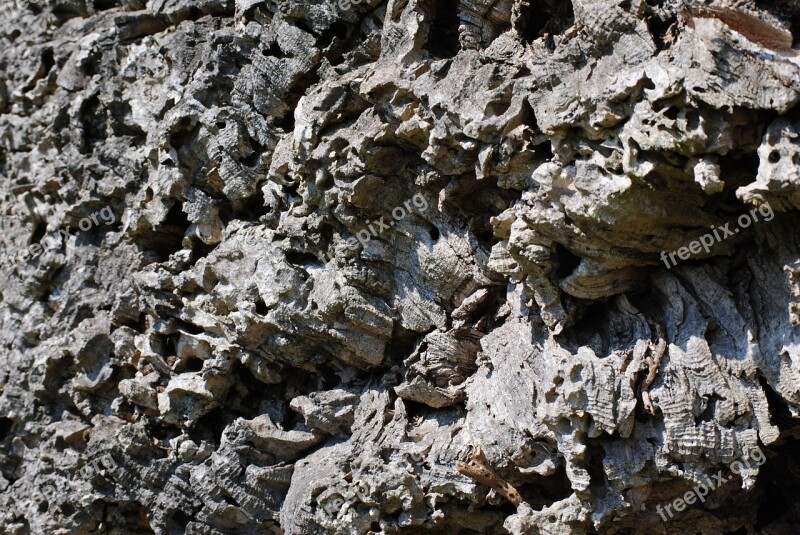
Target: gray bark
396,267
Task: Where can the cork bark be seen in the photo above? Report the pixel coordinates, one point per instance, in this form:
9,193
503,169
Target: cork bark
399,266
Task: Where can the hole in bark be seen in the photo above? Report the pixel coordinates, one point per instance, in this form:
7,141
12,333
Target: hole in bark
660,28
38,232
193,364
48,60
231,501
542,491
567,262
103,5
300,258
5,427
443,32
168,237
178,521
498,108
273,51
795,29
305,27
93,122
402,343
416,410
337,30
594,465
551,17
261,307
778,483
779,413
209,427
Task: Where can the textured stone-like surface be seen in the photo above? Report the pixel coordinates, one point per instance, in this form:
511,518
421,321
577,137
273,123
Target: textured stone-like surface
259,342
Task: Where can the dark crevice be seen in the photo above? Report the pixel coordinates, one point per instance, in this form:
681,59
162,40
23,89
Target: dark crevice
778,489
193,364
168,237
273,51
200,250
738,170
661,28
795,29
48,60
298,91
542,491
402,343
118,111
178,521
251,209
416,410
261,308
93,121
210,426
256,150
548,17
305,27
189,328
443,31
779,412
104,5
301,258
6,424
337,30
567,261
595,453
39,230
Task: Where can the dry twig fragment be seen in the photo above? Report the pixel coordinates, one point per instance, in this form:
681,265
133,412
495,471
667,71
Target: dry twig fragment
479,469
750,26
654,363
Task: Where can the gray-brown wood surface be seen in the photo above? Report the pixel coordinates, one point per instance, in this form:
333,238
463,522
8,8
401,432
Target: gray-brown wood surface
399,267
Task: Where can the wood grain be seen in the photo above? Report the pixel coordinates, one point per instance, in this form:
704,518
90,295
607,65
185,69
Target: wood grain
750,26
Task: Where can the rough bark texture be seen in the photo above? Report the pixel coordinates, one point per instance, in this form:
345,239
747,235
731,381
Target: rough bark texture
257,342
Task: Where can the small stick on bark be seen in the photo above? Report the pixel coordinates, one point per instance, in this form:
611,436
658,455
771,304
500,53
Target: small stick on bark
753,28
479,469
653,363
